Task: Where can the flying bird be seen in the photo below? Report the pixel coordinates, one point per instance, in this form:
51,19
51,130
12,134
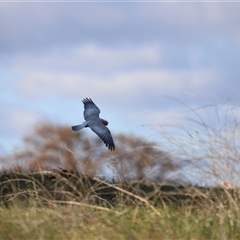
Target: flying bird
98,125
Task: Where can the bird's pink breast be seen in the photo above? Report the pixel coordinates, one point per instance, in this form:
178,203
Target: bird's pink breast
105,122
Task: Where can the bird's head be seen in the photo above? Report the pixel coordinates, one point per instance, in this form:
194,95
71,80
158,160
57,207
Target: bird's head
105,122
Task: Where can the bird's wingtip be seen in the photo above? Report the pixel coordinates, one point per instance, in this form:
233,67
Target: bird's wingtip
87,100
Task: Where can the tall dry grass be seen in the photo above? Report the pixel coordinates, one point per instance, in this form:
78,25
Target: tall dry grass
206,141
63,204
83,205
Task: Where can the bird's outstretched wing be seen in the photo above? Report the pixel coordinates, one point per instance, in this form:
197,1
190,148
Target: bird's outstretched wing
90,109
104,133
91,115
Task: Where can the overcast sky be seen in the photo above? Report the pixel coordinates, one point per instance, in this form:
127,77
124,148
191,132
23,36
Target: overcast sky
125,56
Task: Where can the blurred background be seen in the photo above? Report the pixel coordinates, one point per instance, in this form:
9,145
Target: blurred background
146,65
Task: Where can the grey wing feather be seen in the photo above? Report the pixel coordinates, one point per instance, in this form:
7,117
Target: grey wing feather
90,109
104,133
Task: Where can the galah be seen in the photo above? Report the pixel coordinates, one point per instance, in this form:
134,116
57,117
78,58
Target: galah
98,125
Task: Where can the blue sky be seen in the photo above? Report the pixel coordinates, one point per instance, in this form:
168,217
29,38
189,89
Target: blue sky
125,56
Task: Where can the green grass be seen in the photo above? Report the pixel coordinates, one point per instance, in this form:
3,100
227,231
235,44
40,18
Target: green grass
122,222
70,206
67,205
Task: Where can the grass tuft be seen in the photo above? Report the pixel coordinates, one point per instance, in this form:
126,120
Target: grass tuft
67,205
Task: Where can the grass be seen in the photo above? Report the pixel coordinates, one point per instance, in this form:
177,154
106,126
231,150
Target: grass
66,205
60,205
122,222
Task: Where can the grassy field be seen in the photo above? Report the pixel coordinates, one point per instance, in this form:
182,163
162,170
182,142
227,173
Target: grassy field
66,205
61,205
122,222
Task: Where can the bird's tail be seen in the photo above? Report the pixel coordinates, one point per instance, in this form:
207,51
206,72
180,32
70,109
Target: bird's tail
79,127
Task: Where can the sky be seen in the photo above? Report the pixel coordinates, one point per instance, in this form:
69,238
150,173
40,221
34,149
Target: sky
142,63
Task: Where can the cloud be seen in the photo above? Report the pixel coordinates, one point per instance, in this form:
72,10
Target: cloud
17,119
43,26
91,58
137,86
54,54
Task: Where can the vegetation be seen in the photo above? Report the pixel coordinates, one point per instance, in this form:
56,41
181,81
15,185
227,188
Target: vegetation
50,146
64,186
64,205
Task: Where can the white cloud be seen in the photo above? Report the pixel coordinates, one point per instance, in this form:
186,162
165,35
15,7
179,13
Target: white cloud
109,57
89,57
18,120
137,85
55,54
